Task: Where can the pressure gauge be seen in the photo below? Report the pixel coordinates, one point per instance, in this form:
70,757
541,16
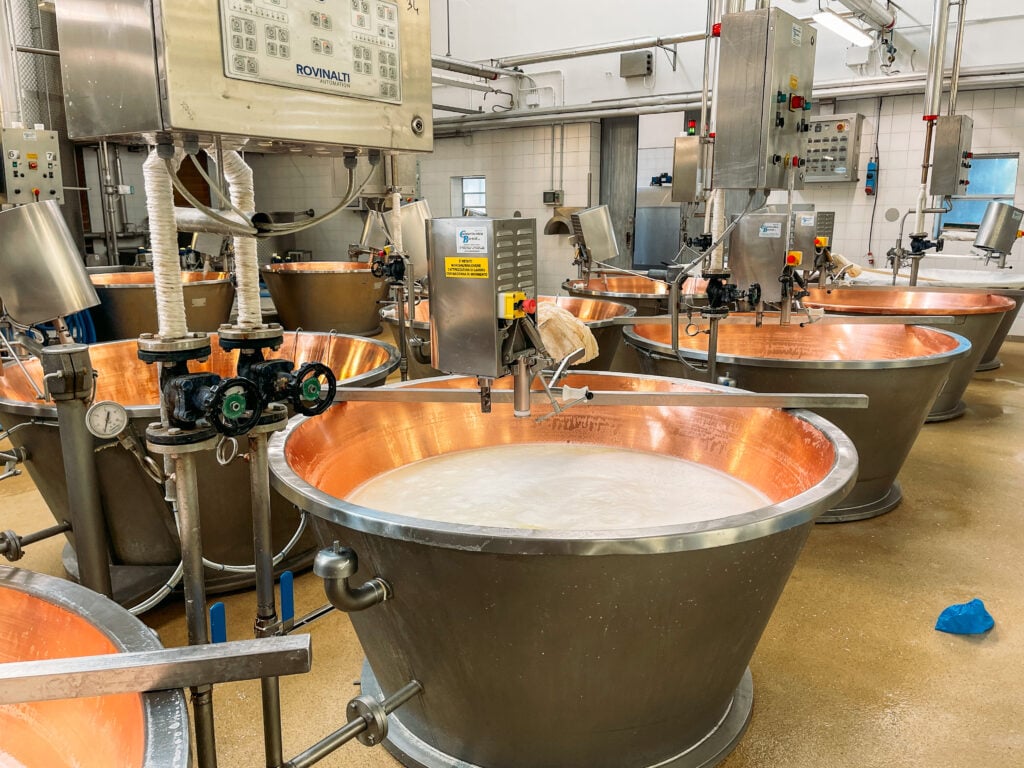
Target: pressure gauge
106,419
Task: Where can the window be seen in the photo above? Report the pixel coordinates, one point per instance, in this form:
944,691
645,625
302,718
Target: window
993,178
469,196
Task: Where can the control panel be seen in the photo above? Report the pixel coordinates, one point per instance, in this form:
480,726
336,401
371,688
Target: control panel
330,46
833,148
766,74
31,166
951,160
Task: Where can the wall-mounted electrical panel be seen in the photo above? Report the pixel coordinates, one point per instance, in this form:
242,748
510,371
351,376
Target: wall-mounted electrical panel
636,64
686,159
317,75
766,72
951,159
832,148
31,166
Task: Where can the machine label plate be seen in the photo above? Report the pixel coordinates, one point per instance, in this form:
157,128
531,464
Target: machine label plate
471,240
472,268
771,229
348,47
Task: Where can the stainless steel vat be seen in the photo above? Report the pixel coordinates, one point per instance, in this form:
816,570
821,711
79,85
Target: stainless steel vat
900,368
978,316
127,306
340,296
141,528
604,649
595,313
42,617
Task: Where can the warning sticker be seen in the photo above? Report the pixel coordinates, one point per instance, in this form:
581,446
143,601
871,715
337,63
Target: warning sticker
471,240
458,267
771,229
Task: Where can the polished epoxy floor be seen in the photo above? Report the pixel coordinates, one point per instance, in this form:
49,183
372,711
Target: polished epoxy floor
850,671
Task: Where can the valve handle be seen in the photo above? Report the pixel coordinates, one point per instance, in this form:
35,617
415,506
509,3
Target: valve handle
235,407
377,268
308,396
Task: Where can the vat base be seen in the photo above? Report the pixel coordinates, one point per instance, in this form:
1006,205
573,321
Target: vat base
989,365
955,412
879,506
412,751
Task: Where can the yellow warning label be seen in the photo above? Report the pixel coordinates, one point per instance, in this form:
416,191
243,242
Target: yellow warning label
465,267
794,82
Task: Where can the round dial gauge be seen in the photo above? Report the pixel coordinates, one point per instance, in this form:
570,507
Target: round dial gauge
106,419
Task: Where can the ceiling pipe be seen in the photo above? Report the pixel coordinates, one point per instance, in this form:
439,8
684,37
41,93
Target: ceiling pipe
897,85
454,82
873,13
936,60
472,68
633,44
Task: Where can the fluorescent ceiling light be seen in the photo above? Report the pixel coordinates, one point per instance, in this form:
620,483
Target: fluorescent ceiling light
843,28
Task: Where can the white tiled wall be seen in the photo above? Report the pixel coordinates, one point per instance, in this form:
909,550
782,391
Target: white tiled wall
517,163
652,162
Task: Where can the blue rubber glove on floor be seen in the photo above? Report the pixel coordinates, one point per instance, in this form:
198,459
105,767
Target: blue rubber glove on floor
965,619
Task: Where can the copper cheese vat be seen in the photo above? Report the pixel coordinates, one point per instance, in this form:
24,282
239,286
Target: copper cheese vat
341,296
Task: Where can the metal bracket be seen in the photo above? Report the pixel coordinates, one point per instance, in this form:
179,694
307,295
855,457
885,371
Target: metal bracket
672,54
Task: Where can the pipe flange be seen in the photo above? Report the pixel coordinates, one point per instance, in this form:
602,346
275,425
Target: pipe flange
10,546
232,337
171,440
153,349
719,313
274,419
371,712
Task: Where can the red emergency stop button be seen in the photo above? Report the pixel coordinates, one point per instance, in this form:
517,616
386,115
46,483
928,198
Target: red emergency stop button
796,102
32,165
794,258
530,306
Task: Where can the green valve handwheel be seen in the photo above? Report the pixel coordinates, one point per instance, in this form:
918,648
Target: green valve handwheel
315,388
236,406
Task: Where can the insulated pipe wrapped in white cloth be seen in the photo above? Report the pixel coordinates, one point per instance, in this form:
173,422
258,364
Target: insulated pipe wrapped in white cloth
238,175
396,222
563,333
163,234
717,228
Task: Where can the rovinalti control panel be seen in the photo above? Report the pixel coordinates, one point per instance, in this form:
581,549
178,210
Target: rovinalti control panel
31,166
833,148
344,46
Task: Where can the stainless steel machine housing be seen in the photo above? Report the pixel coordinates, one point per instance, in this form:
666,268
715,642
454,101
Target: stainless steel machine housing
999,228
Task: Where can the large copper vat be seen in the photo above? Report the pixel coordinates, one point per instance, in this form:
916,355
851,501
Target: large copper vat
598,316
141,528
978,315
597,648
42,617
650,297
340,296
128,302
900,368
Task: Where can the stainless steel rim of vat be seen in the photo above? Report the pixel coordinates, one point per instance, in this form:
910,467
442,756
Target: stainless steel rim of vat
150,285
963,347
584,291
625,310
410,749
784,515
369,378
165,712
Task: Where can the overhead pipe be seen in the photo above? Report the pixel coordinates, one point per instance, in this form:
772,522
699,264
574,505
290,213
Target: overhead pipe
872,12
599,49
958,52
472,68
454,82
932,102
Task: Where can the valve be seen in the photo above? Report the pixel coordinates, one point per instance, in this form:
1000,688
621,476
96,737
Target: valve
230,406
307,395
393,270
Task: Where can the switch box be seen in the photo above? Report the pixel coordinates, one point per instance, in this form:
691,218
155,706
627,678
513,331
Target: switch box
686,179
832,148
553,197
766,73
951,158
31,166
636,64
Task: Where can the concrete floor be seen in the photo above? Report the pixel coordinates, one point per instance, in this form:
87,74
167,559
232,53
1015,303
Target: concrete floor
850,671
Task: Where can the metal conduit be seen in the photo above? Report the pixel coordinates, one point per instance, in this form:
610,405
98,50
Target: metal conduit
872,12
471,68
633,44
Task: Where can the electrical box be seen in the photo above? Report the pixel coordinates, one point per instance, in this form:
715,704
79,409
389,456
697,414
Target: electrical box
317,75
833,148
553,197
686,169
757,252
766,72
475,266
804,225
951,157
636,64
31,166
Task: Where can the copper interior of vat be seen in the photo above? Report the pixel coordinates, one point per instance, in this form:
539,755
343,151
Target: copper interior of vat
129,381
893,301
114,279
316,267
817,342
587,310
96,732
773,451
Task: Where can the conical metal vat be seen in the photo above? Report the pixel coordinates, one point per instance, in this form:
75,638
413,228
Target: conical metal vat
900,368
650,297
978,315
341,296
42,617
142,532
607,649
127,306
597,314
